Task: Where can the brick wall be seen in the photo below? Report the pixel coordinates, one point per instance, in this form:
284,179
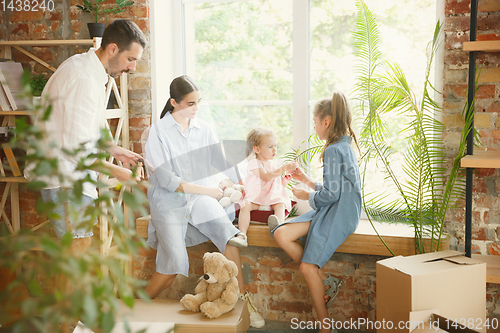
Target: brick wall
280,290
486,208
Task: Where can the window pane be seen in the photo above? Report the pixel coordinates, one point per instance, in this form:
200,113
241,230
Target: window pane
235,122
241,50
405,28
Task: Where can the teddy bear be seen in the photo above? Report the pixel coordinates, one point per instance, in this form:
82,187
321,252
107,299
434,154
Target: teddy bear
232,192
217,292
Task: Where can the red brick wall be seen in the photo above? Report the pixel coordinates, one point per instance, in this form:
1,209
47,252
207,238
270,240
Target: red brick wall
279,290
486,208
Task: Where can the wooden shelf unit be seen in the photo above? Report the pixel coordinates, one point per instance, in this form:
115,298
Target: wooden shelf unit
478,159
17,113
70,42
481,159
482,46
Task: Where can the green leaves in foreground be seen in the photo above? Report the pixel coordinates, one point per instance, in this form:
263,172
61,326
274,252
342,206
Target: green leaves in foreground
67,286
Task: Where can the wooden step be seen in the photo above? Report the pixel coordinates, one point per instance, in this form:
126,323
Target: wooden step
483,45
481,159
492,266
399,238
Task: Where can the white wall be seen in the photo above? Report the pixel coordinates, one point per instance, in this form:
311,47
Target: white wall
167,50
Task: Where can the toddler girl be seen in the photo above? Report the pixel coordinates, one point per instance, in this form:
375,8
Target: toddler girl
336,204
264,183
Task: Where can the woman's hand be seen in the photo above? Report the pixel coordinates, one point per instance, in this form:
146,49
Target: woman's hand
214,192
299,175
300,193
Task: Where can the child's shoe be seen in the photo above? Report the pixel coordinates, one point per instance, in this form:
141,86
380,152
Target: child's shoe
272,222
238,241
334,284
256,319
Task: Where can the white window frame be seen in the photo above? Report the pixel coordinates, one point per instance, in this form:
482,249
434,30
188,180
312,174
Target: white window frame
169,59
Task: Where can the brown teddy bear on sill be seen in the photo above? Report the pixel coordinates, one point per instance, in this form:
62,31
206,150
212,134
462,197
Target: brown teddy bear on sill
217,292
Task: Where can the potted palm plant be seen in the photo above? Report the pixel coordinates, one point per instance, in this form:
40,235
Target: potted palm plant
98,11
427,190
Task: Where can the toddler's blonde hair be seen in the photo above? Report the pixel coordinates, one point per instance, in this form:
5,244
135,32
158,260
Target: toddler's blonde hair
255,137
337,108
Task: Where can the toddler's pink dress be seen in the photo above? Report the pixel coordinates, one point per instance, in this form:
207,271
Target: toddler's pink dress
262,192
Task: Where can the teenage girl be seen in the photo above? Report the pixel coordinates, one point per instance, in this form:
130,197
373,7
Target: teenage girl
264,183
336,204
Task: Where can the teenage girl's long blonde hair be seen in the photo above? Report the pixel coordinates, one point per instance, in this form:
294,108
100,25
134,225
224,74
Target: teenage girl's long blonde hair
338,110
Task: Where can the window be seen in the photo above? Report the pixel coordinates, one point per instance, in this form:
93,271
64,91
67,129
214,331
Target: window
266,62
240,53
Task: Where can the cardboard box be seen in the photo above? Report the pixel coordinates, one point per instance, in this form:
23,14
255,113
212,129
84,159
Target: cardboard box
160,316
446,280
431,322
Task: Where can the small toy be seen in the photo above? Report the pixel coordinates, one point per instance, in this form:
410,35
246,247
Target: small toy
217,292
232,192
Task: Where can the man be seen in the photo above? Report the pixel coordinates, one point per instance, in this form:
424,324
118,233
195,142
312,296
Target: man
77,94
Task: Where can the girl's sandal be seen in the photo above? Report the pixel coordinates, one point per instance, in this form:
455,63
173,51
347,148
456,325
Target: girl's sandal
238,241
334,284
272,222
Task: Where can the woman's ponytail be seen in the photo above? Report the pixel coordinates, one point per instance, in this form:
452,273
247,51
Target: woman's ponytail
168,107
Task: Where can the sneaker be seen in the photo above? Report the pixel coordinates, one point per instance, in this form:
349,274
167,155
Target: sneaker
238,241
272,222
256,319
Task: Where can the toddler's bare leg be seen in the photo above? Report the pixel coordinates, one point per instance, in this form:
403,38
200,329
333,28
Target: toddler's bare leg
279,211
244,217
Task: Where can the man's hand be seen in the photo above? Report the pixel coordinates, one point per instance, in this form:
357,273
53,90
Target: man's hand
124,155
124,174
121,173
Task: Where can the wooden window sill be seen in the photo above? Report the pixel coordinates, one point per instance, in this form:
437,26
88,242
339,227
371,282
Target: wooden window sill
399,238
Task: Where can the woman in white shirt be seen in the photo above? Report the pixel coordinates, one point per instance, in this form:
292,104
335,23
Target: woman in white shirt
184,205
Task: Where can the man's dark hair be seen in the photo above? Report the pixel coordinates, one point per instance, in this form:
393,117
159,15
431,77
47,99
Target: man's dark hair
123,33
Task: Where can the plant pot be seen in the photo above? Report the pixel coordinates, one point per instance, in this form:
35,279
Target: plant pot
96,29
37,100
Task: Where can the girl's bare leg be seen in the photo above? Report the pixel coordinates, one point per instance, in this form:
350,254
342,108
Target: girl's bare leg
286,236
317,290
158,283
233,253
